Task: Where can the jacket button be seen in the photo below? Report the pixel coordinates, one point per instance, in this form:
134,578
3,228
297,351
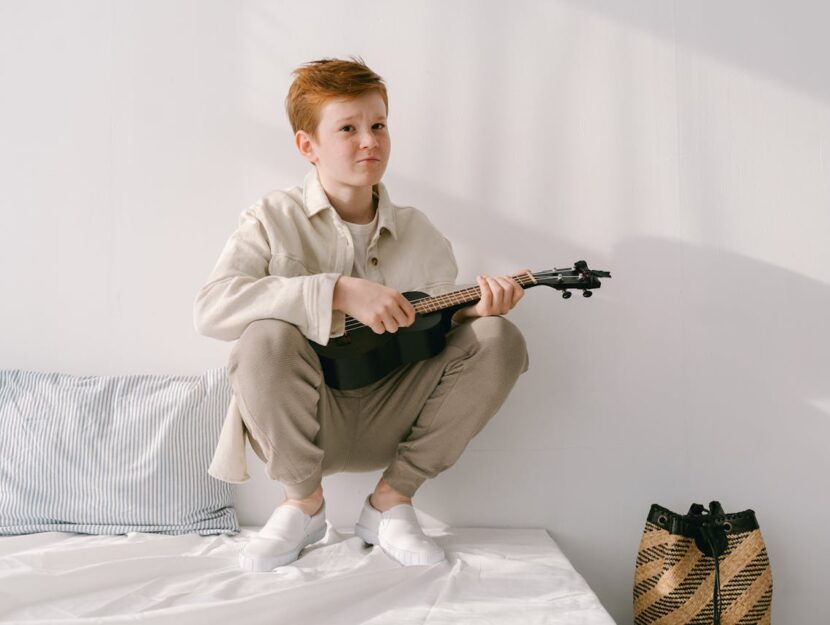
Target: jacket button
374,261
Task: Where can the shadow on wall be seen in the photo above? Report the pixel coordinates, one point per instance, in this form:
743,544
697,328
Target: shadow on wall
695,372
784,42
713,378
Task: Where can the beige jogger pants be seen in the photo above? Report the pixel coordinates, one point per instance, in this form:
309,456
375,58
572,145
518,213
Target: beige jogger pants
416,421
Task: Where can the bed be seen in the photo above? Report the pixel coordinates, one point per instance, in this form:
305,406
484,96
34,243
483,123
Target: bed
498,576
108,515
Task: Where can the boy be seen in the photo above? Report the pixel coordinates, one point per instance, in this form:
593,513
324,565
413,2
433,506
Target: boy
301,260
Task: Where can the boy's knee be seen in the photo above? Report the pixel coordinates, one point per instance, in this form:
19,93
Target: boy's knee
499,334
267,339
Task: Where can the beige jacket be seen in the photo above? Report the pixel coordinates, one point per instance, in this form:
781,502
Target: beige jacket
282,262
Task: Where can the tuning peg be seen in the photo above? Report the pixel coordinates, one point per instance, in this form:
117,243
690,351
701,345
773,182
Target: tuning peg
566,294
587,293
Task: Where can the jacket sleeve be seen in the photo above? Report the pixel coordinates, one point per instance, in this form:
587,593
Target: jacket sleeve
445,273
241,290
446,278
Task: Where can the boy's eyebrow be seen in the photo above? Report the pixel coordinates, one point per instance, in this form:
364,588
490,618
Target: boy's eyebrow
345,119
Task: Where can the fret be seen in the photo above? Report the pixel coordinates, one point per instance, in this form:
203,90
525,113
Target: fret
463,296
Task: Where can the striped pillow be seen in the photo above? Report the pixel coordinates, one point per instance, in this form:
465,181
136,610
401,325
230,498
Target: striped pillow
112,454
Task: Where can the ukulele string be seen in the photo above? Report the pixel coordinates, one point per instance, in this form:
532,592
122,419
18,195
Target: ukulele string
522,279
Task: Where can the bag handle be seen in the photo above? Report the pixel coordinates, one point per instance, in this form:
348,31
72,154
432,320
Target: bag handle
714,510
696,509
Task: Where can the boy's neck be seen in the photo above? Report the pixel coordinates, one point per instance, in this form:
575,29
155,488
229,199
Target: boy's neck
354,204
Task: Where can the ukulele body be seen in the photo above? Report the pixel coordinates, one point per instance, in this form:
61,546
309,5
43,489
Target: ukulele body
361,356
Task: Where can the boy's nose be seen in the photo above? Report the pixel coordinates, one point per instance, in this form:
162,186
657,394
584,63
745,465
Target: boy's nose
368,140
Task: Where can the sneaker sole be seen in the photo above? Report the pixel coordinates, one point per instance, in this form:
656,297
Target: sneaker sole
368,536
263,564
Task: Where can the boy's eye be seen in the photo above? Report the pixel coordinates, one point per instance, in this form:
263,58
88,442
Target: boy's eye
349,127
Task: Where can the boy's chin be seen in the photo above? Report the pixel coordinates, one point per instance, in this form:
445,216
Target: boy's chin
357,178
367,180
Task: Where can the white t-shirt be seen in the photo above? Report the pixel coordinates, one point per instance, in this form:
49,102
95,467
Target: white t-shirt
361,235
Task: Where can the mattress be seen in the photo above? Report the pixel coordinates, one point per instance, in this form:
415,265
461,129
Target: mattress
498,576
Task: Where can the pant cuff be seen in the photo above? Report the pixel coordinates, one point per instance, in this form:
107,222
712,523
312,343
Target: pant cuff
403,479
301,490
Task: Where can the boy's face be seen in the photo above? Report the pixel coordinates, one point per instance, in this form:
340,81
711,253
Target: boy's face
352,146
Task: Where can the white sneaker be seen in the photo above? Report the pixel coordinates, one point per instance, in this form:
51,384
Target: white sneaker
281,539
398,533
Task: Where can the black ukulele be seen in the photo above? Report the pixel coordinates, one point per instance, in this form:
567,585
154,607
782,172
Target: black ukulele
361,356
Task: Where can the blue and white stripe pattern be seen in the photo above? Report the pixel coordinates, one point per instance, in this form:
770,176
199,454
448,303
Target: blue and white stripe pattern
112,454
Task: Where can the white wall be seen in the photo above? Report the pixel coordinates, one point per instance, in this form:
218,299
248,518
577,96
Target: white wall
681,145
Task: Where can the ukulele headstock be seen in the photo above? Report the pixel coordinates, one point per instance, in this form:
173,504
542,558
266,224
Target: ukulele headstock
577,277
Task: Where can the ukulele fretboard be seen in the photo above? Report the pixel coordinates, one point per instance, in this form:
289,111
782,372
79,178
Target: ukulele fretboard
464,296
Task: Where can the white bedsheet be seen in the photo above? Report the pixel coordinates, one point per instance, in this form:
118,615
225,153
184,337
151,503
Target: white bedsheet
498,576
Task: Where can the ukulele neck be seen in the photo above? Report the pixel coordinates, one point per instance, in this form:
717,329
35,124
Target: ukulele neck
464,296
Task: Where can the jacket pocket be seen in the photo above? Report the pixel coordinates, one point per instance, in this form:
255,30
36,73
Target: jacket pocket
288,266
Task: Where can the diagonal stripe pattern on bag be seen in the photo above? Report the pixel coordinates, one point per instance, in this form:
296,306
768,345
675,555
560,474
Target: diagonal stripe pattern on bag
700,569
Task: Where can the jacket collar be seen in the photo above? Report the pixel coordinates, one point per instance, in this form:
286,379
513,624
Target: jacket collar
315,200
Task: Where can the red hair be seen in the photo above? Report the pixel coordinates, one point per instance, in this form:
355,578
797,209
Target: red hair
318,81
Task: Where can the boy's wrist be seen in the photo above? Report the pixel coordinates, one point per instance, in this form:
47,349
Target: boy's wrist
340,287
463,313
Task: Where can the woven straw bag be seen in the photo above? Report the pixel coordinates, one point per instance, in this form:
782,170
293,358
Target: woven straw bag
702,569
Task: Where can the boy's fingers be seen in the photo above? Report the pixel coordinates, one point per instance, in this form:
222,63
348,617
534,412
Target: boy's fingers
498,293
518,292
517,295
401,316
486,293
397,315
513,293
507,284
390,325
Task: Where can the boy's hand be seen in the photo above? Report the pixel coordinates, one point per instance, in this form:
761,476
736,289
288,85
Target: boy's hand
380,307
499,295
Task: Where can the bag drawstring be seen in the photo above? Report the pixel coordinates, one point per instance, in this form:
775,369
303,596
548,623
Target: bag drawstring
708,528
716,586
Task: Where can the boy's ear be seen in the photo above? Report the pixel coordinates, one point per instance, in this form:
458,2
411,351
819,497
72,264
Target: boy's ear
305,146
